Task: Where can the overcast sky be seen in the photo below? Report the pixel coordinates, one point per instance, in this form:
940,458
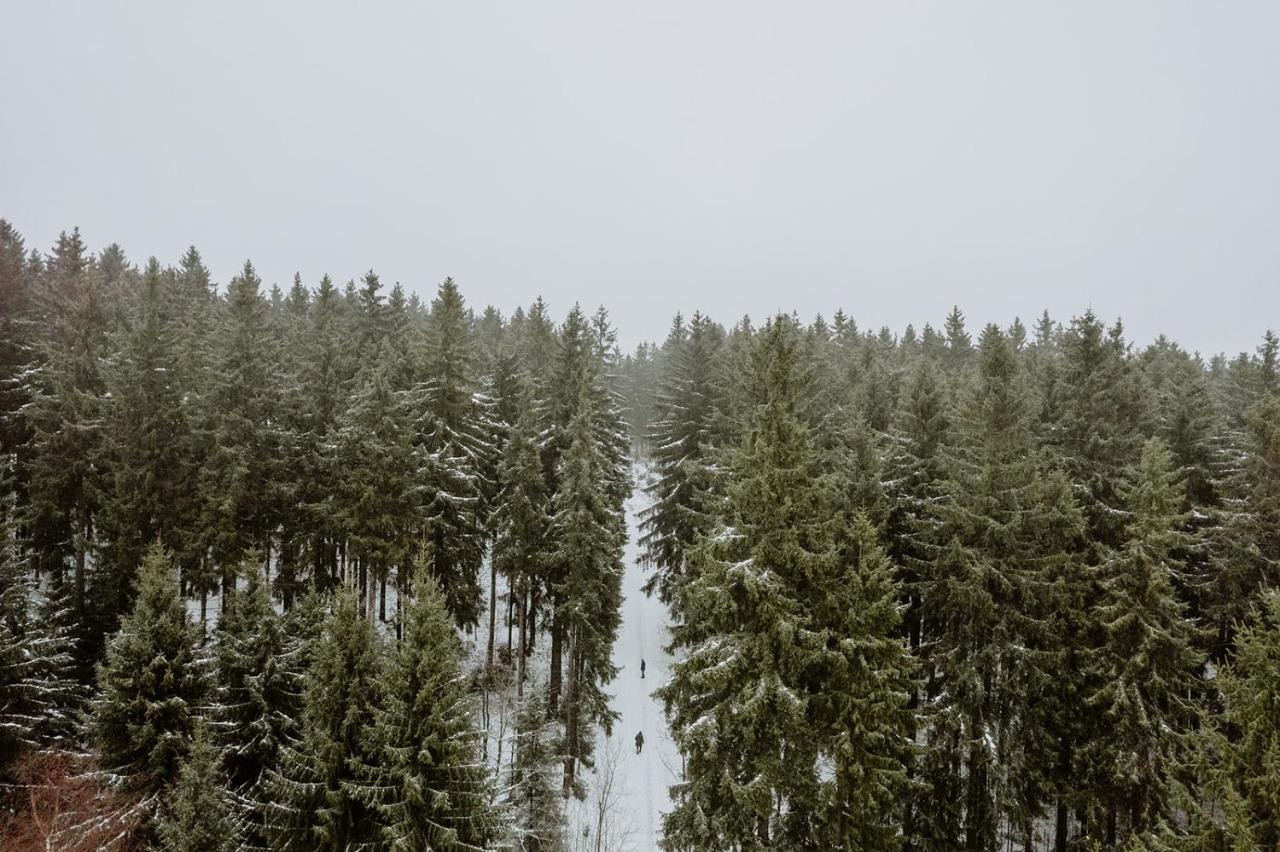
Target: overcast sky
891,158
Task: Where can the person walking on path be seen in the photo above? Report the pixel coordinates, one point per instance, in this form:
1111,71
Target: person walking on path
639,741
642,668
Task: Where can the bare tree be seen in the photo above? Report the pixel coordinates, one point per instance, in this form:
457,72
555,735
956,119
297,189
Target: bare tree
602,824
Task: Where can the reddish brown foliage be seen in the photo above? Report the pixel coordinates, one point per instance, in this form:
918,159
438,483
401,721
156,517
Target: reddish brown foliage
57,804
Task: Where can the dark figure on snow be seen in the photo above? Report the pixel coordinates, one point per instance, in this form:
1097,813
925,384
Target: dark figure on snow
639,741
642,668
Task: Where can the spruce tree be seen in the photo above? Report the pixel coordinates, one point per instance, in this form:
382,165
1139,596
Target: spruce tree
863,697
425,778
17,337
257,698
235,488
1148,663
198,816
681,441
152,684
997,539
314,798
520,521
40,700
588,536
1250,757
65,416
532,790
453,449
376,486
144,442
767,618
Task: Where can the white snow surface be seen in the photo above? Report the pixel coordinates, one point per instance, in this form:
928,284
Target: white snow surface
643,780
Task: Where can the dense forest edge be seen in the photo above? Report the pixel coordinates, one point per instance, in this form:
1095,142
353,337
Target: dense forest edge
330,567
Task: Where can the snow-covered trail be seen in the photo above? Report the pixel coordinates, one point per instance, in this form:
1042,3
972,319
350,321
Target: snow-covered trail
642,780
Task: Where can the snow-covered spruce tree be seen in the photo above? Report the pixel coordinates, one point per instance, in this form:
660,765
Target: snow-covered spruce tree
588,533
766,620
257,696
198,816
581,378
521,520
17,333
1251,537
914,469
1247,759
861,695
1148,663
314,800
40,699
376,484
531,792
1102,422
151,684
235,485
145,494
65,416
424,776
681,440
324,373
452,451
999,529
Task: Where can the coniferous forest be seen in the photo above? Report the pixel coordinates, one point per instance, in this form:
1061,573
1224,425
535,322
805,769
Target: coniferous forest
329,566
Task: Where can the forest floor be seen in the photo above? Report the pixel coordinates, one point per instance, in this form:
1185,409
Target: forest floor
632,788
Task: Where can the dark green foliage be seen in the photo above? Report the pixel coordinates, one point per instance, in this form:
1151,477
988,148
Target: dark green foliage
532,798
589,534
40,700
452,451
257,696
314,797
1149,667
152,684
198,815
424,775
774,616
1250,756
681,442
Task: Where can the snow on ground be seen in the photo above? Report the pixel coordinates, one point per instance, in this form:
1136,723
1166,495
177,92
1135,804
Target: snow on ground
640,788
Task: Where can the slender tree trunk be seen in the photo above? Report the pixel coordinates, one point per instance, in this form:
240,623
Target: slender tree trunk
362,580
1060,828
82,558
493,614
571,719
382,598
511,605
977,815
533,616
553,685
400,590
520,659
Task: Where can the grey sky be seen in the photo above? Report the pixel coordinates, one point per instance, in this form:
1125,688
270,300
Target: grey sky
738,157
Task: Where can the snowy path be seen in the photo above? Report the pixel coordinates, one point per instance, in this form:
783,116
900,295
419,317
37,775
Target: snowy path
640,797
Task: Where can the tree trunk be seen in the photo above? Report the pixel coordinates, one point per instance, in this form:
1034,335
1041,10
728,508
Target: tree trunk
1060,828
382,598
493,614
82,558
533,616
553,686
571,720
511,606
520,659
